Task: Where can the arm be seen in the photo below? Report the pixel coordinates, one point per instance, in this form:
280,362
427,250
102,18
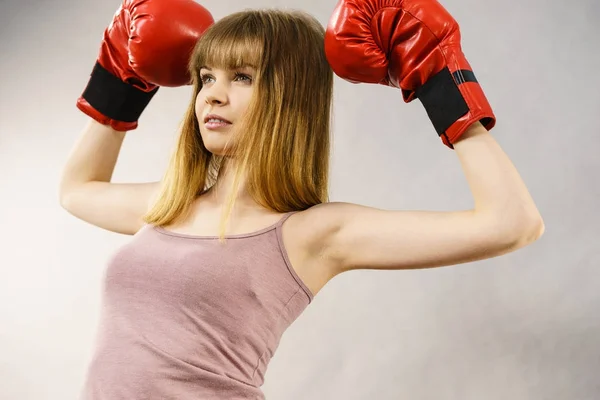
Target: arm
125,77
503,220
424,58
498,189
86,191
93,157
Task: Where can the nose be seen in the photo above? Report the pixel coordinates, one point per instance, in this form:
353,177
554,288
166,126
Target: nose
216,93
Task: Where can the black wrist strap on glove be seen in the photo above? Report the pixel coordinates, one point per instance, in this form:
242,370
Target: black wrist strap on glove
442,100
114,98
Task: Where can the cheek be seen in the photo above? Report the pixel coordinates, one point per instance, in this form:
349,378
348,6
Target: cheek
199,105
245,99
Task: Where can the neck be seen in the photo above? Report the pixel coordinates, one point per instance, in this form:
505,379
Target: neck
219,193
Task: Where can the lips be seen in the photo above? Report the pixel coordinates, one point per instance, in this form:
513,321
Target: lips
217,117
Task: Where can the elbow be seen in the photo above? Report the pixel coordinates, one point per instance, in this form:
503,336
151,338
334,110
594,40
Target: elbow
526,231
65,190
62,195
510,232
63,200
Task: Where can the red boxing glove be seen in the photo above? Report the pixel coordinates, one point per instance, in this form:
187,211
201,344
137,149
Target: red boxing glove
413,45
148,44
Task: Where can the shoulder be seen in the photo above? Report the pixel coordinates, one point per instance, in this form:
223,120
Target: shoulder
312,230
307,237
320,222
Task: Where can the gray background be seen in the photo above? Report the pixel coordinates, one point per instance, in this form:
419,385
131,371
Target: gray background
522,326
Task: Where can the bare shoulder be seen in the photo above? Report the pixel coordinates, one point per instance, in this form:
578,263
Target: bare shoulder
313,227
311,230
306,237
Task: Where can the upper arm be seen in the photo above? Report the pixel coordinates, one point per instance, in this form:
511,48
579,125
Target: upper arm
117,207
370,238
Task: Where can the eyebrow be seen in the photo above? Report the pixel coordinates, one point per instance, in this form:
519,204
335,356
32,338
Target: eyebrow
240,67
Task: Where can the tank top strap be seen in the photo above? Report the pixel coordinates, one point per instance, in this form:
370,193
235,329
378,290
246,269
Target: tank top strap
284,218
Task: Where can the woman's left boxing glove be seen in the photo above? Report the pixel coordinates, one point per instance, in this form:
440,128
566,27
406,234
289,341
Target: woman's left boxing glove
413,45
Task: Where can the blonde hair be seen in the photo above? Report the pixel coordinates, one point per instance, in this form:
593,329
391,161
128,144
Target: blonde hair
283,148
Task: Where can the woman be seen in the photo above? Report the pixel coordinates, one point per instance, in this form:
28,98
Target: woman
237,239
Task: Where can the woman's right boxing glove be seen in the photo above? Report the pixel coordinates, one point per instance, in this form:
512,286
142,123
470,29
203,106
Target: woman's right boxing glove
147,45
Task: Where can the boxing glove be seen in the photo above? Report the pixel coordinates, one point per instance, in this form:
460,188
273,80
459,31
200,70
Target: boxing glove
147,45
413,45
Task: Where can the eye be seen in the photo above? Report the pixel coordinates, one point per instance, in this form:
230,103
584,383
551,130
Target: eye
243,77
205,77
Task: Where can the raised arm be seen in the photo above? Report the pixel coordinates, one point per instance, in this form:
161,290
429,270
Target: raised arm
415,45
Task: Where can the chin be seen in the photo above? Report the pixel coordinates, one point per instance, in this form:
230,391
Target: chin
215,143
217,149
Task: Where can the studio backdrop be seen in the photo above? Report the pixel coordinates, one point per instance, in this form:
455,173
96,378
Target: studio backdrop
524,326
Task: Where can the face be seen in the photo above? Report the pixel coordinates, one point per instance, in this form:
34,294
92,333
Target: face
221,103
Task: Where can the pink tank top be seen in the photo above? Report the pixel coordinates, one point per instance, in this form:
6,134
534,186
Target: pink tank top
185,317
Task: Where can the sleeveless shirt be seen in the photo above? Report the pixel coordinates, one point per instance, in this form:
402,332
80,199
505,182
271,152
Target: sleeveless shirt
189,318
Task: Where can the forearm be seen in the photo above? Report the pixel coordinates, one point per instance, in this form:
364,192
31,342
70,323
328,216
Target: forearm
93,157
497,188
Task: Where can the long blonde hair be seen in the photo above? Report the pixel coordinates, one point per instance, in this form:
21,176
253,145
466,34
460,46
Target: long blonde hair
283,149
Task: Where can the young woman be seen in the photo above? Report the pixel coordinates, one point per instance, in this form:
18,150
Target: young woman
237,239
